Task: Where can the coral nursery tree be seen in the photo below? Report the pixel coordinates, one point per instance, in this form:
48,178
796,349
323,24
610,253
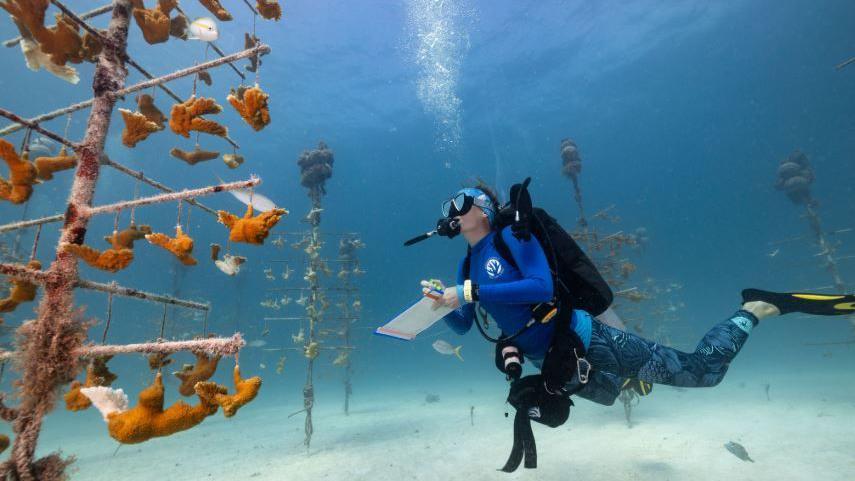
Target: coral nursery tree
50,349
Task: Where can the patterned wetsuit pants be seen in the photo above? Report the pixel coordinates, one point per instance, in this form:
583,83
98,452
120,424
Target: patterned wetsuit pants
617,355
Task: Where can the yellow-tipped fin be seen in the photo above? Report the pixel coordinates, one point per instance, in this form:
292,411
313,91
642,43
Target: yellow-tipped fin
457,352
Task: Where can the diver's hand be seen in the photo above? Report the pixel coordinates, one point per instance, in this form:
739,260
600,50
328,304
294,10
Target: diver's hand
448,297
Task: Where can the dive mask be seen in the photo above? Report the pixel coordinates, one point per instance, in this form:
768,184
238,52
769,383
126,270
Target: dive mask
462,203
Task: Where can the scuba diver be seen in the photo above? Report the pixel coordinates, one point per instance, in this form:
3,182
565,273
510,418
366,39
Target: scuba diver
524,273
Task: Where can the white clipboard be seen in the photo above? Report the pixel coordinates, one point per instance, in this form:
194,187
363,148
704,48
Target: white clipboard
418,317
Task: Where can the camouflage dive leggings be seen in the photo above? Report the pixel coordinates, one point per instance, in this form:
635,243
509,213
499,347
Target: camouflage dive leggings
617,355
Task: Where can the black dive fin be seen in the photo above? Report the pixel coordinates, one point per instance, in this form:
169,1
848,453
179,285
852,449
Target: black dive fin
516,456
524,445
808,303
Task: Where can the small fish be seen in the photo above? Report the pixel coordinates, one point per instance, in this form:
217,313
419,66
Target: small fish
774,253
341,360
285,300
257,343
738,450
247,197
443,347
204,29
42,147
262,365
302,300
279,241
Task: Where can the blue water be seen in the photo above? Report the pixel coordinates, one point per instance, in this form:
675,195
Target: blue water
681,111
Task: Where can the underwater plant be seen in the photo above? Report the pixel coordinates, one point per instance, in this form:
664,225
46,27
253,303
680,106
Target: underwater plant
249,229
50,349
97,374
125,238
111,260
22,175
269,9
47,166
137,127
187,116
245,391
181,246
251,104
22,290
154,23
315,169
190,374
217,8
145,105
195,156
148,419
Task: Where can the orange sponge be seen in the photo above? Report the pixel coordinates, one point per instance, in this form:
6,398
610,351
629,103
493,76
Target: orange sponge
245,391
22,175
204,368
22,291
181,245
249,229
148,419
186,117
251,104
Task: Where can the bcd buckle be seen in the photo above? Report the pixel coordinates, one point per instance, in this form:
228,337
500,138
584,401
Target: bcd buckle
544,312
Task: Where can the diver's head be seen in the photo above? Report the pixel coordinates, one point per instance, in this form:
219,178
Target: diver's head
473,209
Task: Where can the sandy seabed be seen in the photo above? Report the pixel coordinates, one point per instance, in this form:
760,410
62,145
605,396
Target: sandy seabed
806,431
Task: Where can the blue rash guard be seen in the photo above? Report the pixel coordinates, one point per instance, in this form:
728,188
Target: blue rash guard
508,293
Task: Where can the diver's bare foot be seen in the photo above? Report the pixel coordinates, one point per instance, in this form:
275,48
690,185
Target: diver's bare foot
761,309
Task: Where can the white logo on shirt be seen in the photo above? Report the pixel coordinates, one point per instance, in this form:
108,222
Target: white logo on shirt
494,267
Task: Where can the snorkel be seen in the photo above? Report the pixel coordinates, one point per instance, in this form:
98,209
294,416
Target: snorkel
457,206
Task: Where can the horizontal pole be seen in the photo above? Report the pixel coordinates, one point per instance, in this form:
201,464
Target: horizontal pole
147,180
117,290
9,129
97,34
258,49
171,196
19,271
222,346
35,126
261,48
31,222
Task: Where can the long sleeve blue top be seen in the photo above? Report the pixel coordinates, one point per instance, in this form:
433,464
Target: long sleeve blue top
507,293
